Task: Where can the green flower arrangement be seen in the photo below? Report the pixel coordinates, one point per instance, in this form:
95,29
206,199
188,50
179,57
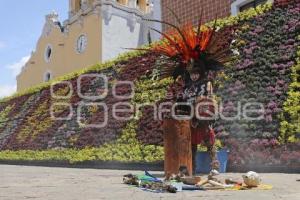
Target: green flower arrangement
290,124
34,125
125,149
4,115
150,91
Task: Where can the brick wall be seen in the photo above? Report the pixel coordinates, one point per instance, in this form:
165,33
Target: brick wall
189,10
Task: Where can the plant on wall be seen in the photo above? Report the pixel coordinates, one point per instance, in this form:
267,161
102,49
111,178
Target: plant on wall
264,69
4,115
290,124
266,49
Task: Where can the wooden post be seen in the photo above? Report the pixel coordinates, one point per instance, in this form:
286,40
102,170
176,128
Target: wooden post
177,145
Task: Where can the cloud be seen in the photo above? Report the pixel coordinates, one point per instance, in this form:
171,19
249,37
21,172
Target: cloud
2,45
17,66
7,90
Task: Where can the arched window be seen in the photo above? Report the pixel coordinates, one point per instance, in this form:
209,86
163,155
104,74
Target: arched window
48,53
47,76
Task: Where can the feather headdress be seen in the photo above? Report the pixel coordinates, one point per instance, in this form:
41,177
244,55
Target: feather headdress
203,48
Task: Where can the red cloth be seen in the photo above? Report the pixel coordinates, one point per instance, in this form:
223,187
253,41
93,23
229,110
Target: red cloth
206,110
203,135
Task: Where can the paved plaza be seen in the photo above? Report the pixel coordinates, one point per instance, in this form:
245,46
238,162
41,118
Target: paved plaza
42,183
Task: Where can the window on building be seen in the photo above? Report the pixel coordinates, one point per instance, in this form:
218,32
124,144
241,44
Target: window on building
48,53
252,4
47,76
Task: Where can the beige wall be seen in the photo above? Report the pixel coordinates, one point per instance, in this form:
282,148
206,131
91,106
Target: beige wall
124,2
92,28
143,5
64,58
75,5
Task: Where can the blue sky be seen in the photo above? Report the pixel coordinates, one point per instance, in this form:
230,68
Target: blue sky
21,23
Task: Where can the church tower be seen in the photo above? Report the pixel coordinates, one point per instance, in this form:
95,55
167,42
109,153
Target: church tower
95,31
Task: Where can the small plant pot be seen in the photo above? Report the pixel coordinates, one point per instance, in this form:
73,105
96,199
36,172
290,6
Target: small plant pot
203,161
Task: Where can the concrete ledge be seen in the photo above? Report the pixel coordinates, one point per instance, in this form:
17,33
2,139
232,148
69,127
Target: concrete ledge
265,169
157,166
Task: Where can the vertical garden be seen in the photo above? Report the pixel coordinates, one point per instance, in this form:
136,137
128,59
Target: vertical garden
265,70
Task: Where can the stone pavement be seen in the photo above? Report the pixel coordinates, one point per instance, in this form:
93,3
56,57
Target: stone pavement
42,183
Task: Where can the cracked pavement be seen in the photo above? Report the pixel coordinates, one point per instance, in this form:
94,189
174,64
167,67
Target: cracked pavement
43,183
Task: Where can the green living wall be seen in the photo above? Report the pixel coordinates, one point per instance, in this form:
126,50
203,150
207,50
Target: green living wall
265,69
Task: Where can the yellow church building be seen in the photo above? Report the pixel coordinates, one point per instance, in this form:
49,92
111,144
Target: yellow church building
95,31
